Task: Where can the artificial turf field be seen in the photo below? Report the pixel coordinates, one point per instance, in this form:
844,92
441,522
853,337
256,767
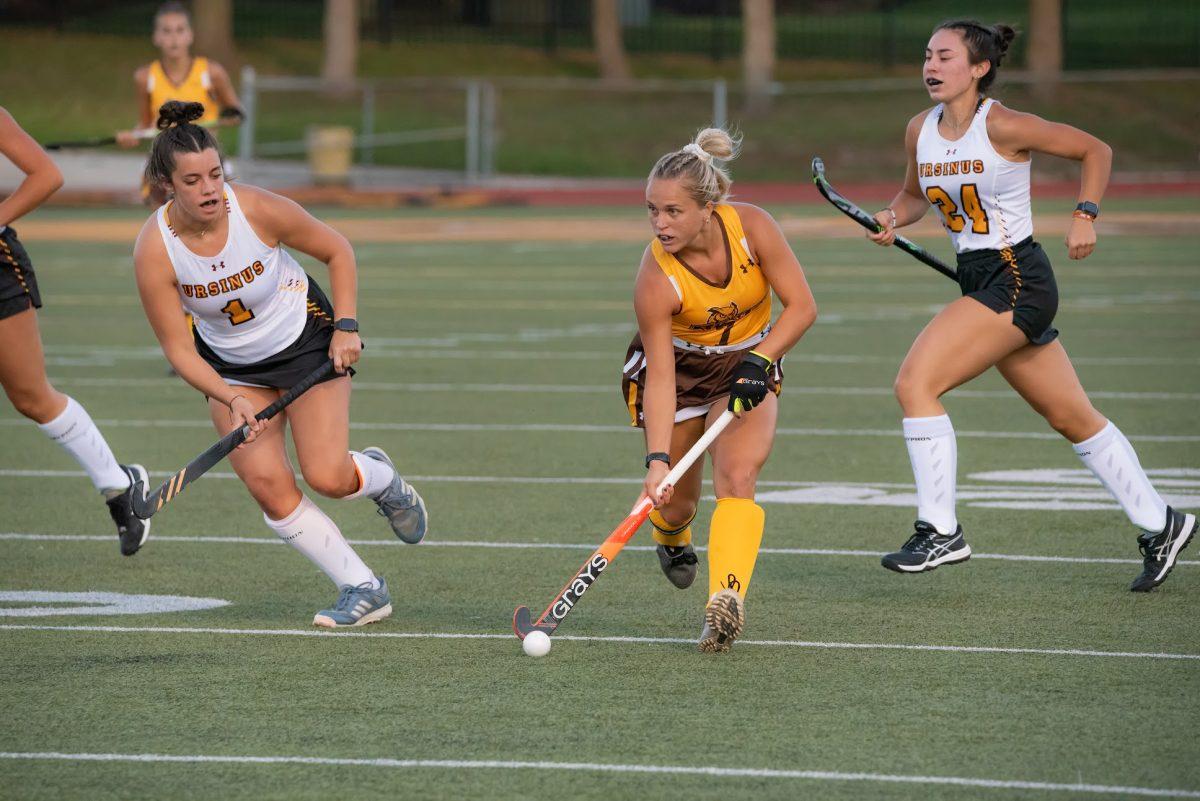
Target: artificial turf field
491,378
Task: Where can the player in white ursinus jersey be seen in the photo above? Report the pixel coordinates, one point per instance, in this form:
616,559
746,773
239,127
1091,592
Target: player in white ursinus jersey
969,156
261,325
22,365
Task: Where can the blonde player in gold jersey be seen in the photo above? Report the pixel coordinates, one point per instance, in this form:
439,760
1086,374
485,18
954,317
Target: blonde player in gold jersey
706,343
178,75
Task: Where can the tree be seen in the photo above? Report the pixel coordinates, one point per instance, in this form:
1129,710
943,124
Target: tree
606,36
341,44
1045,53
758,52
213,23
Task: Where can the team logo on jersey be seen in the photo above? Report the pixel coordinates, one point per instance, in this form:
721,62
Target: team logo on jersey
937,169
723,316
230,284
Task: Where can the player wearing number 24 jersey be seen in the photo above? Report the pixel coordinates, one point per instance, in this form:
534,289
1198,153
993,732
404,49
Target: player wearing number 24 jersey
260,326
969,157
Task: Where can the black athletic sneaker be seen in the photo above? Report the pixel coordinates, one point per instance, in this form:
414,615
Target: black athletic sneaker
926,549
678,562
130,528
1160,550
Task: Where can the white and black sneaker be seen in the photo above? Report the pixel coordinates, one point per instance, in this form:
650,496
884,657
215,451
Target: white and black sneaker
1160,550
678,563
131,529
926,549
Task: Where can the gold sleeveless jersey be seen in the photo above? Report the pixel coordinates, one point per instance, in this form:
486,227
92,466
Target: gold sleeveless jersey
195,88
719,314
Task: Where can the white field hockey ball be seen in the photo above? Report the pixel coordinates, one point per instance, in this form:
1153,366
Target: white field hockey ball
536,643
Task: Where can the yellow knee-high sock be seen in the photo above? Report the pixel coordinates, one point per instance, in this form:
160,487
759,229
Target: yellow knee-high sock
733,539
667,534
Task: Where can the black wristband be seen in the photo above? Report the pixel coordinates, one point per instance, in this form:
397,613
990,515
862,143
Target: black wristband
1089,208
658,456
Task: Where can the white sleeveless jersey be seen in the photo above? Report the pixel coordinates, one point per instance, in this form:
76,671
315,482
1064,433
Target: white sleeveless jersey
983,198
249,301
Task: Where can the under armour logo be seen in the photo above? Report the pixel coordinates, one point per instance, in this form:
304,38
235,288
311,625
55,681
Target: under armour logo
950,151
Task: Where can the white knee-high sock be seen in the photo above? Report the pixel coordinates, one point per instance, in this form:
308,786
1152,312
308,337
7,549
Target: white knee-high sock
1112,459
374,476
78,435
934,455
312,533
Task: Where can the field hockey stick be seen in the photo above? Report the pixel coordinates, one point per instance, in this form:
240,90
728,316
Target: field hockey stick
145,507
867,221
566,599
140,134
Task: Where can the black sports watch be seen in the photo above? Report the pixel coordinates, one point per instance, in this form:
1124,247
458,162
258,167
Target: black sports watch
347,324
1089,208
658,456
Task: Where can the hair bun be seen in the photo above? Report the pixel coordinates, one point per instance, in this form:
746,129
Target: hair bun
176,112
1004,36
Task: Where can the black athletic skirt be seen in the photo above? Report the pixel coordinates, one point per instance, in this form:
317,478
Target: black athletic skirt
1017,279
18,284
287,367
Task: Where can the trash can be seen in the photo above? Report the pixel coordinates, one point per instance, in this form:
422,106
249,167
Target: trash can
330,153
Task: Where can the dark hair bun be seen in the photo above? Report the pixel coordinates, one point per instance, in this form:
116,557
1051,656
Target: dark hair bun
176,112
1004,36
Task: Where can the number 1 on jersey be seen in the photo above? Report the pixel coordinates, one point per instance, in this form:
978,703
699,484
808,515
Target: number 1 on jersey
237,312
970,204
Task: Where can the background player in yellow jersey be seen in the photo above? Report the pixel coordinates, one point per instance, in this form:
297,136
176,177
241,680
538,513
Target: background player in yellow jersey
706,343
178,75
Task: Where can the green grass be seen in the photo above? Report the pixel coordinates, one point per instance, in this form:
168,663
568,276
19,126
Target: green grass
1004,716
83,88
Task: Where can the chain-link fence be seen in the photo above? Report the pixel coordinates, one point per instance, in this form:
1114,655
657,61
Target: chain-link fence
1097,34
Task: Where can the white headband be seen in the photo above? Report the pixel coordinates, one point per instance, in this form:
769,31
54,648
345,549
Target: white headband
698,152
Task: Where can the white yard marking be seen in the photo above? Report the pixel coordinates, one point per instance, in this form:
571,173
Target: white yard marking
554,546
610,389
452,635
44,604
584,428
607,767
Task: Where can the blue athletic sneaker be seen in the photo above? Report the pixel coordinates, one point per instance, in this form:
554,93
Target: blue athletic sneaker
357,606
400,503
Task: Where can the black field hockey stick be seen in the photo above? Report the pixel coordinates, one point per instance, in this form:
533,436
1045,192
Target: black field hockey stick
867,221
568,596
145,507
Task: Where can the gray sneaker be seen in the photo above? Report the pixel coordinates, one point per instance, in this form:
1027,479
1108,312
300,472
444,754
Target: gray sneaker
400,503
724,619
357,606
678,563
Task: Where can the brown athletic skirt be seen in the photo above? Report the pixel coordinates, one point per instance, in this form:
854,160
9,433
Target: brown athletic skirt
700,380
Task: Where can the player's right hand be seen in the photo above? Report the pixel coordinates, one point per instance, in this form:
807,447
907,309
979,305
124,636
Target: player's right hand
127,139
654,476
887,234
241,413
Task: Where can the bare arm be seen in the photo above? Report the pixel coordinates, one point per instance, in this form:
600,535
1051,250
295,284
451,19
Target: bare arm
277,219
910,203
226,96
654,301
786,277
160,299
1015,135
146,115
42,177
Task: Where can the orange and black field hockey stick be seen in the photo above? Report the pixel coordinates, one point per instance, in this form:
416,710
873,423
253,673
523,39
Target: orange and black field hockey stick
566,599
867,221
144,506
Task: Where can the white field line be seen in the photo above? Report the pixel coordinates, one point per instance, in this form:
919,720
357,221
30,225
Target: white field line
553,546
448,347
454,635
611,389
1022,489
584,428
606,767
